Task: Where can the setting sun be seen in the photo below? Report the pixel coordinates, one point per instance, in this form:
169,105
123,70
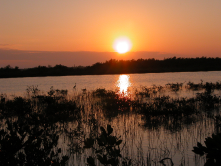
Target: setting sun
122,45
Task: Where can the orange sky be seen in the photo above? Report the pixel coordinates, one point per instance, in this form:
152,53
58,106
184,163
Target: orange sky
188,27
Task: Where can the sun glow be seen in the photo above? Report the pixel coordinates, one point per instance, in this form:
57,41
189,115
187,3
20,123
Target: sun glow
122,45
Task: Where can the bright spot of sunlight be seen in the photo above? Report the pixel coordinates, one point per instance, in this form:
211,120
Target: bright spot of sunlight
122,45
124,84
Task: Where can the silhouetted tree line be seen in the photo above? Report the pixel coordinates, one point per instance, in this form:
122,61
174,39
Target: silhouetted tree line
119,67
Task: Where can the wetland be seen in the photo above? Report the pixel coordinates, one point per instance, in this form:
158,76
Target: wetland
158,123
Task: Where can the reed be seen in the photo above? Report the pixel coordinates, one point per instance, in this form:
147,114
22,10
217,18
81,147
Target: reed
55,125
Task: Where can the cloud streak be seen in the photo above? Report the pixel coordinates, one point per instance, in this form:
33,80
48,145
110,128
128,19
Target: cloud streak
4,45
28,59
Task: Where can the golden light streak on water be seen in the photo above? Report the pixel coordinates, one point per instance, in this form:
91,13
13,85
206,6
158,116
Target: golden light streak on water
123,84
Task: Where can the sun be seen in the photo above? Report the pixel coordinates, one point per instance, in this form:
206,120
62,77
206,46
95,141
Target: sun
122,45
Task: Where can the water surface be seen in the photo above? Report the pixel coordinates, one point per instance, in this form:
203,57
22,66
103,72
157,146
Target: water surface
146,137
17,86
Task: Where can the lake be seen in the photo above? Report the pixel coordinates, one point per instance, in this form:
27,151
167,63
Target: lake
17,86
148,138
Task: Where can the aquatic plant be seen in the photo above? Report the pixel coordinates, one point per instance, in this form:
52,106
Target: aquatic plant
80,115
108,151
165,105
112,103
26,144
32,90
208,86
174,86
212,150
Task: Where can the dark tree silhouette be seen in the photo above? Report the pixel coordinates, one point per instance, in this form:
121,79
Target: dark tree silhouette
114,66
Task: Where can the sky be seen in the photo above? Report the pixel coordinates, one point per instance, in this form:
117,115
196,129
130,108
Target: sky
82,32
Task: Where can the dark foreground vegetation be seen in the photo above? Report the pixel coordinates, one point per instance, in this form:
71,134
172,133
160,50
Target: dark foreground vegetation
58,129
119,67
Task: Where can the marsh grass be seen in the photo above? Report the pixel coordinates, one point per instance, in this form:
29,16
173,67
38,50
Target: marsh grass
152,126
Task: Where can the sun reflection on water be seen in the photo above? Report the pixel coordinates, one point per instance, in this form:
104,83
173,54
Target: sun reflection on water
123,84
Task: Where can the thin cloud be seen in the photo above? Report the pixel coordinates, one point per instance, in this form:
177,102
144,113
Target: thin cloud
4,45
27,59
